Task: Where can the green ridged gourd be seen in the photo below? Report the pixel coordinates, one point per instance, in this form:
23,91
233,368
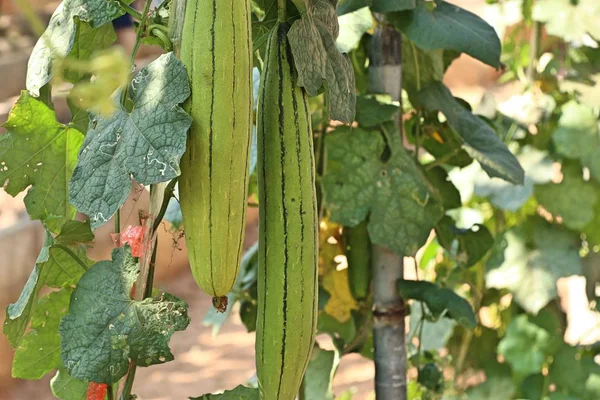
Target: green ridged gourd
357,247
288,245
216,48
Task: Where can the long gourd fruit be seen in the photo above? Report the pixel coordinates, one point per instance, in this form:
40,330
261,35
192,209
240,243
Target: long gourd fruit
287,260
216,48
357,247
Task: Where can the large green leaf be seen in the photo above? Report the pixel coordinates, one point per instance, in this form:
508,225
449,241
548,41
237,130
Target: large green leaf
40,152
479,140
574,372
440,301
573,199
105,327
452,28
352,27
382,6
466,245
420,67
403,207
372,110
435,334
578,136
525,346
54,268
438,177
145,143
539,169
528,260
318,61
318,379
239,393
74,232
65,387
60,36
568,19
39,350
345,331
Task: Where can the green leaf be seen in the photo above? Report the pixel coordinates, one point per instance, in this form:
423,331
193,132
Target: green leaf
574,20
439,300
315,35
372,110
54,268
39,350
352,27
65,387
39,151
239,393
524,346
61,35
435,334
497,388
415,391
340,81
146,143
539,169
574,372
105,327
348,6
479,140
384,6
345,331
572,199
80,118
403,207
304,38
318,379
438,178
578,137
75,232
450,27
420,67
440,140
529,259
467,245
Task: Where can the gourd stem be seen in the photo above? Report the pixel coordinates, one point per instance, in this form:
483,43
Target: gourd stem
281,10
130,10
141,29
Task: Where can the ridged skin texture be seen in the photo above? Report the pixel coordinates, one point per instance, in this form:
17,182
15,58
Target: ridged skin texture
287,272
216,49
358,253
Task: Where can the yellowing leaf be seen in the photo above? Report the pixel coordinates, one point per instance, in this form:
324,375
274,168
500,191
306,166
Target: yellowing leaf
341,302
330,245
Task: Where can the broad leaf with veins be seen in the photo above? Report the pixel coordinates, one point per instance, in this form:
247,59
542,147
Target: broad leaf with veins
144,144
105,328
39,151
